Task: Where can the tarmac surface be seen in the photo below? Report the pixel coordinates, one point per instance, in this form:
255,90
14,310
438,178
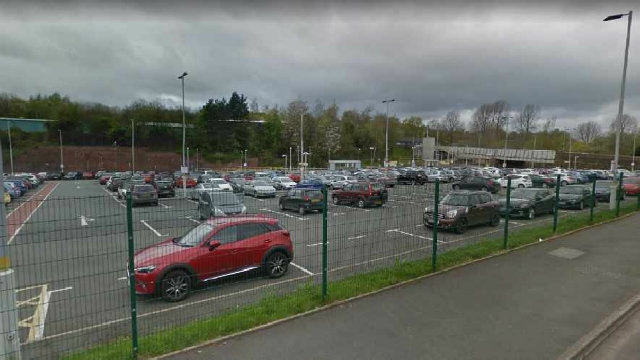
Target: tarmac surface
533,303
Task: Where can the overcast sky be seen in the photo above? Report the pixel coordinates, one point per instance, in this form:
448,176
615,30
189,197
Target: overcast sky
431,57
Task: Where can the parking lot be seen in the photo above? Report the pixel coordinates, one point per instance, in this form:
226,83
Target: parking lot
70,257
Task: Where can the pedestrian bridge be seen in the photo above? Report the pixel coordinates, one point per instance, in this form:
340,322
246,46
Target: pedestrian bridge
477,153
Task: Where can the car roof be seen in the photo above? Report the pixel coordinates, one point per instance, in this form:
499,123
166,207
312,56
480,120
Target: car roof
467,192
218,221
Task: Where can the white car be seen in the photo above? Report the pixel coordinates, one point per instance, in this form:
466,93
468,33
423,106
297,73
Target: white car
284,182
195,193
223,185
339,181
258,188
517,181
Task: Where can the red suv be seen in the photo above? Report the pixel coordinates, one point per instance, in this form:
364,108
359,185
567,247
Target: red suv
212,250
362,194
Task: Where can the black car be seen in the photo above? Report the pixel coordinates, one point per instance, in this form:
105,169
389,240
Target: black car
72,175
165,188
412,177
483,183
574,197
301,200
603,191
528,203
461,209
54,176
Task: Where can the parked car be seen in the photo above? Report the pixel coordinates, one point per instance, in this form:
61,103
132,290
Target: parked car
542,181
574,197
310,184
212,250
528,203
258,188
603,191
12,190
72,175
483,183
143,194
87,175
55,176
283,183
631,185
301,200
517,181
412,177
339,181
165,188
463,208
295,177
362,194
195,192
221,184
190,183
6,198
219,203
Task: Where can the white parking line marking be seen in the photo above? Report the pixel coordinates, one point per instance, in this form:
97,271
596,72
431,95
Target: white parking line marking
144,222
410,234
301,268
114,198
30,215
316,244
45,308
122,278
356,237
192,219
283,214
164,206
84,221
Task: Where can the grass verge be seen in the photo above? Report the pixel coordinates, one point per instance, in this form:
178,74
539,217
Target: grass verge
273,307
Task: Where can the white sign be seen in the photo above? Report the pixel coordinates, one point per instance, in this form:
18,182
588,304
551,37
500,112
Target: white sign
184,169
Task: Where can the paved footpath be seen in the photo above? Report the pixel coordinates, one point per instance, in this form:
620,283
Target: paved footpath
534,303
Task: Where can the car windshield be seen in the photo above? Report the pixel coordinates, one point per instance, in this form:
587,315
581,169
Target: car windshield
571,190
284,179
259,183
523,194
217,181
207,186
195,235
314,194
224,199
603,184
455,200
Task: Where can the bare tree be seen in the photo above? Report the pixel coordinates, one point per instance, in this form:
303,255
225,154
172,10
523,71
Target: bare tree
452,123
628,124
526,119
489,116
254,107
588,131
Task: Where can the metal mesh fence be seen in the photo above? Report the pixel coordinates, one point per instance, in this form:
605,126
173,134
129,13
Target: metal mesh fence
69,249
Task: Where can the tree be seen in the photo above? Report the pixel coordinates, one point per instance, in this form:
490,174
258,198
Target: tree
628,124
526,119
452,123
588,131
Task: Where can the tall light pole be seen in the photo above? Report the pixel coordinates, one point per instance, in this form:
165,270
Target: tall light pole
61,159
184,138
133,146
115,148
290,159
614,185
386,136
575,162
570,140
188,162
285,160
197,158
303,164
10,146
246,160
241,160
506,142
372,149
633,155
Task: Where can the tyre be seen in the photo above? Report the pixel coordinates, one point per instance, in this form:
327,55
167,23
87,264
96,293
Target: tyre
175,286
281,206
301,210
520,186
484,188
335,200
276,264
581,205
462,226
495,220
361,203
456,187
563,183
531,214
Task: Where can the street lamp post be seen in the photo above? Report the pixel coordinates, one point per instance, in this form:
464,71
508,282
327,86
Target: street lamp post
569,150
197,159
302,165
133,144
115,148
575,162
10,146
372,149
61,158
188,162
386,137
290,159
633,154
246,160
506,142
285,160
241,160
184,138
614,185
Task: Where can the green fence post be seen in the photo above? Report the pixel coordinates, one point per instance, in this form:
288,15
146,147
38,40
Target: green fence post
325,196
618,195
506,217
593,201
638,202
434,253
132,279
555,205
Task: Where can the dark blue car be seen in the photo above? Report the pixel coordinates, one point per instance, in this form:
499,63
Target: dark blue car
19,184
310,184
12,191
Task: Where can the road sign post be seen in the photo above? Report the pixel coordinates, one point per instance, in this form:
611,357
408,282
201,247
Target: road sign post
555,204
325,196
436,200
506,216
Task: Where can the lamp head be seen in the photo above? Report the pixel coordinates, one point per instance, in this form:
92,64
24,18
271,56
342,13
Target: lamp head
614,17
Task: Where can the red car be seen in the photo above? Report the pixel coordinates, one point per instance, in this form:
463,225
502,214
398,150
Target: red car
104,179
631,185
191,182
212,250
294,177
87,175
